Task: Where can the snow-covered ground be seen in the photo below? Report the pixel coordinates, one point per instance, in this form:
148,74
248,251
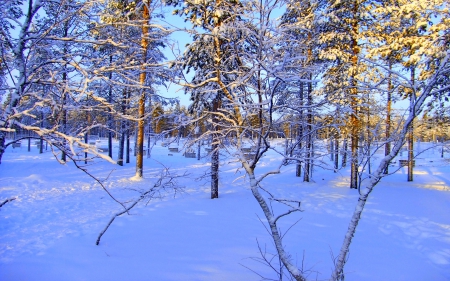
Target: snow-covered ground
49,231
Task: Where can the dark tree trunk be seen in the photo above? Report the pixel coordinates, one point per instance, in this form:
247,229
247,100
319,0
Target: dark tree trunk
331,148
2,145
41,145
110,121
86,141
344,152
355,103
215,153
336,154
64,80
309,137
127,152
298,170
122,130
121,148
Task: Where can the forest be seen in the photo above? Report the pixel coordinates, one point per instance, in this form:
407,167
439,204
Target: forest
346,79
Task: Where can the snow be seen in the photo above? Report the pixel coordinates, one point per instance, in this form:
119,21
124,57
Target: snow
49,231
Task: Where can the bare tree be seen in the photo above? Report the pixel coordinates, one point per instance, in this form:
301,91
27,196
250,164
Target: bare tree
165,184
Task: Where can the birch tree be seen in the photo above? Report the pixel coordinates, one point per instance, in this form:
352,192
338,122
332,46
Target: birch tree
432,57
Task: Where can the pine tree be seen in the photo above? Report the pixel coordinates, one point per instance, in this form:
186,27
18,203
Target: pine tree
208,56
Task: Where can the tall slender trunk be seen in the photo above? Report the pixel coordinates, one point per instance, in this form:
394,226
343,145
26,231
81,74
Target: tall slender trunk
110,99
86,137
41,139
64,119
29,141
121,147
336,153
41,145
298,170
411,128
149,129
354,103
331,147
127,149
369,140
309,139
215,153
122,130
387,146
141,110
344,152
215,127
64,97
128,130
86,141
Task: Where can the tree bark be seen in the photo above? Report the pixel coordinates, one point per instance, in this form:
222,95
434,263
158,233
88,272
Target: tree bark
276,237
387,147
354,121
110,121
298,170
344,152
215,153
309,137
122,130
141,110
336,154
411,130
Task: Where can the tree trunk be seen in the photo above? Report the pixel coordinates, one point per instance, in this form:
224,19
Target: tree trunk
336,154
199,149
141,110
64,81
354,121
86,141
331,148
29,141
122,130
387,146
41,145
369,139
215,153
344,152
110,121
149,129
411,129
149,142
127,151
41,139
273,229
309,137
298,170
121,147
2,145
64,122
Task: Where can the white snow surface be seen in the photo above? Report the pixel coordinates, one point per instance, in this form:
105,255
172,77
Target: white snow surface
49,231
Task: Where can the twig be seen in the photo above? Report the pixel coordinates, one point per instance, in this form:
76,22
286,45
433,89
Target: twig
161,183
6,201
